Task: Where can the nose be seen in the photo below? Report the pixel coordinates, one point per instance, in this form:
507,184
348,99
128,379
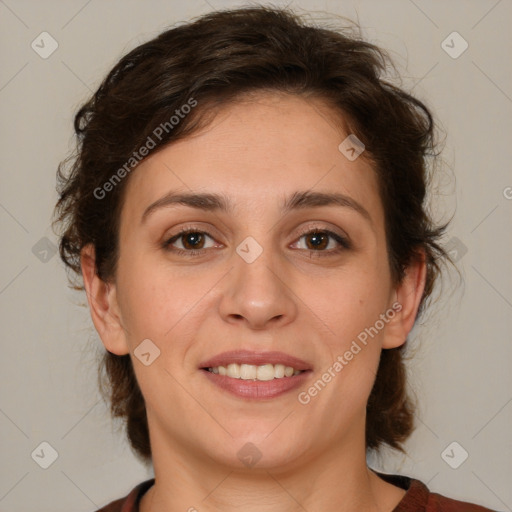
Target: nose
258,294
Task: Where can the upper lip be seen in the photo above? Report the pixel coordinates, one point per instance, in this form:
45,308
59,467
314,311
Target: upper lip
255,358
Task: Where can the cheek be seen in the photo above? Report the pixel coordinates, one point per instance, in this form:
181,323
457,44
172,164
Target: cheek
164,304
350,301
351,308
150,301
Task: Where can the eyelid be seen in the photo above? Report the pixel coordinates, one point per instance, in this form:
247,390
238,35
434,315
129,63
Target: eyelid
342,239
168,240
192,228
314,227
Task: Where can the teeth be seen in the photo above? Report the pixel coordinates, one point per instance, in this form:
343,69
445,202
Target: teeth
248,371
253,372
279,371
233,370
266,372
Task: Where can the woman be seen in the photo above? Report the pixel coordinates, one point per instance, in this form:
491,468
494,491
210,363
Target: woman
247,211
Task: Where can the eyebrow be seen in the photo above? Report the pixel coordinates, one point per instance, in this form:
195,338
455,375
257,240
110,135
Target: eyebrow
218,202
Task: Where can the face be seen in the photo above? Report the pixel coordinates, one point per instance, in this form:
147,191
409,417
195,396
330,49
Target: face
259,271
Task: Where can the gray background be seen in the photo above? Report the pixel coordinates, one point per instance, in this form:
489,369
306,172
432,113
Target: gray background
461,367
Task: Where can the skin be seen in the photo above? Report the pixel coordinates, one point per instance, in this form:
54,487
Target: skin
256,152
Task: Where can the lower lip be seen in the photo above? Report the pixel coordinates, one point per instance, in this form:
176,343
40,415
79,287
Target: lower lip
257,389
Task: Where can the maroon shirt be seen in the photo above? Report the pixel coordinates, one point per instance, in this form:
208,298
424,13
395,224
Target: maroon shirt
417,498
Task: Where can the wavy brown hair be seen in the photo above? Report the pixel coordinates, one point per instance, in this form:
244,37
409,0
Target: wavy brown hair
216,59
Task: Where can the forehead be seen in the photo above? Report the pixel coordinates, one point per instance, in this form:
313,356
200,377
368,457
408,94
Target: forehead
258,150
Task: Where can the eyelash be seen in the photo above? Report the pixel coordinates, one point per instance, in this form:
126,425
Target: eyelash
342,241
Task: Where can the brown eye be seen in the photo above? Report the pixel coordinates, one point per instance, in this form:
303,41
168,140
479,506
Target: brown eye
324,242
192,242
318,240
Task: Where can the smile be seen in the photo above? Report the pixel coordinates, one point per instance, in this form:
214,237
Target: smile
263,372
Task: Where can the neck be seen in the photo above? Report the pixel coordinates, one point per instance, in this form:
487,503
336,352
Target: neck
336,480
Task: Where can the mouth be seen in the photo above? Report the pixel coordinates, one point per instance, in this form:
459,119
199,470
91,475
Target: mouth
256,375
252,372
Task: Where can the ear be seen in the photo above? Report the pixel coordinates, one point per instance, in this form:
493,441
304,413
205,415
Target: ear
407,300
103,305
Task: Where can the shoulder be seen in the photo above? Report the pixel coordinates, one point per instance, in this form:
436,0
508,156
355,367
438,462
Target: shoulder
438,503
114,506
419,498
129,503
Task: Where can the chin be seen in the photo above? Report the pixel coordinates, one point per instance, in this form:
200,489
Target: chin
261,448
